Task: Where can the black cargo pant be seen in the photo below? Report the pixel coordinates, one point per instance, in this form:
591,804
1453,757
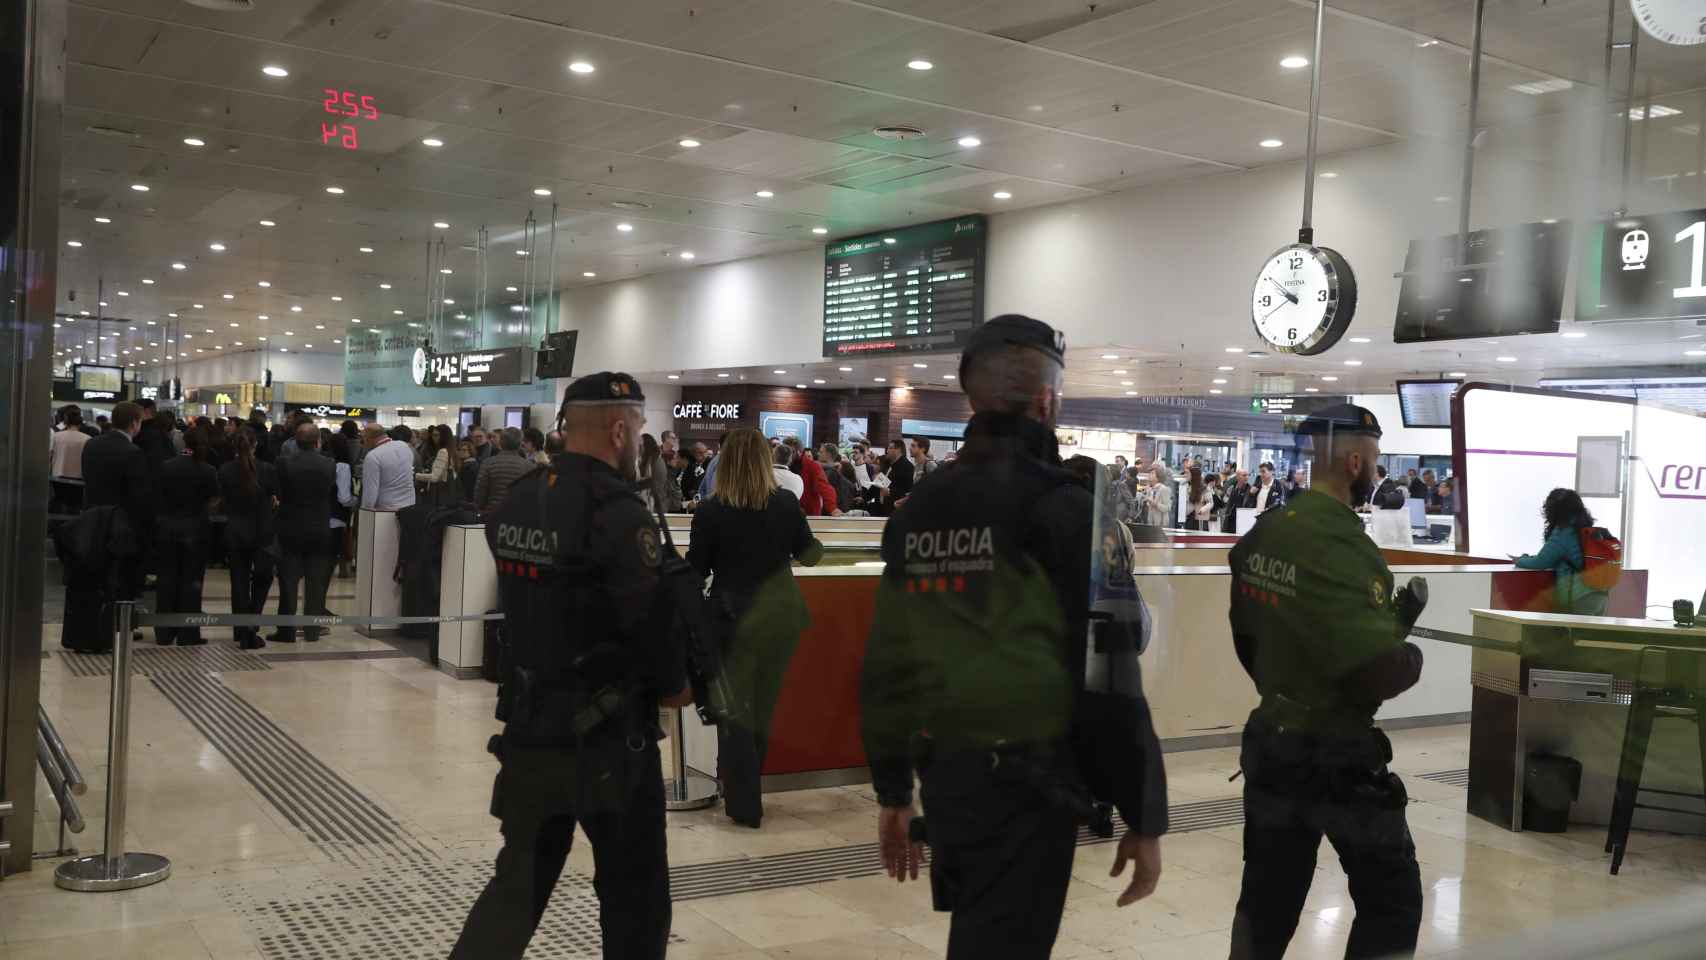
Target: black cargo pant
1001,858
1289,805
536,797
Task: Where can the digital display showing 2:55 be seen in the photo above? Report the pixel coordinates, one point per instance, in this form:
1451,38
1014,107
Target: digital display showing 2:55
350,104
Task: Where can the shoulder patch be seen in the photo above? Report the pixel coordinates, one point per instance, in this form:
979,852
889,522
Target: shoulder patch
650,552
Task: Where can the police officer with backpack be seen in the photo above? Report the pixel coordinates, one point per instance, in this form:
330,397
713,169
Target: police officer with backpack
595,647
981,673
1317,625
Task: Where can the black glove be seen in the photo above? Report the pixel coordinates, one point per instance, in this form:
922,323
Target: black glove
1409,603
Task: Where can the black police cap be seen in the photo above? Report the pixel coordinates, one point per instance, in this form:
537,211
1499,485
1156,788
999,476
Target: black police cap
1340,418
601,389
1015,329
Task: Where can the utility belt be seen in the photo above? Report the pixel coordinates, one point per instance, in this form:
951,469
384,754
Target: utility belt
1049,767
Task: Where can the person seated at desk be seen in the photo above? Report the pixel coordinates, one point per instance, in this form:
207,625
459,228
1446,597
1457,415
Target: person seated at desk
1565,516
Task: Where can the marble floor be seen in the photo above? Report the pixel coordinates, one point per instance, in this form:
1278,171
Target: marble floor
335,807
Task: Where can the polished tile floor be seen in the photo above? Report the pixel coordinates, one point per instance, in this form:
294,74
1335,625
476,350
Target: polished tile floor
321,809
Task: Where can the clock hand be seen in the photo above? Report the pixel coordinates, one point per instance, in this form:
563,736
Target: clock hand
1288,294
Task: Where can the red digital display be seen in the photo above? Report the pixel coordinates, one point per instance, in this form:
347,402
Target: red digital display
345,103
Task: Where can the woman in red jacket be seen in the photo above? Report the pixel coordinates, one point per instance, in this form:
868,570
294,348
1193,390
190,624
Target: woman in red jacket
819,498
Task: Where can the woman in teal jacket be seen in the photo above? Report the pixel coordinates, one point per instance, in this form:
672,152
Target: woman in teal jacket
1565,516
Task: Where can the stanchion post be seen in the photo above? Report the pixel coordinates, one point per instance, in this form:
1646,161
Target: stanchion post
684,790
114,868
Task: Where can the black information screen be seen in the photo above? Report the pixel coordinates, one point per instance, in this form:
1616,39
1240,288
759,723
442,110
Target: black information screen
914,289
1644,268
1510,280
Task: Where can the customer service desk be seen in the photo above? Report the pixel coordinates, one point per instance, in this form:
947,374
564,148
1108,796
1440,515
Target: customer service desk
1561,684
1198,693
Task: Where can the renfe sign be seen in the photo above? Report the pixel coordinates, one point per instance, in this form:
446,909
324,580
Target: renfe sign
706,411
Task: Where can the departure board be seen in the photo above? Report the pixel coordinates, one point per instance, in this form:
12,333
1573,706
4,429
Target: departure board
917,289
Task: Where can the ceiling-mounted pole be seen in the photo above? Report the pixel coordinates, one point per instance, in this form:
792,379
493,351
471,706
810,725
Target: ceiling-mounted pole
1469,136
1628,120
1306,233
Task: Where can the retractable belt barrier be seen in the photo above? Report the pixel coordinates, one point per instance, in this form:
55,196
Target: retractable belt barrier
143,618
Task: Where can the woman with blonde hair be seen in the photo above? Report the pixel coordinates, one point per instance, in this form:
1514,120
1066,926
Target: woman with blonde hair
744,537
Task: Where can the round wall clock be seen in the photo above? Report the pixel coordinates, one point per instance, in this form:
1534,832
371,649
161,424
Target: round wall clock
1679,22
1304,299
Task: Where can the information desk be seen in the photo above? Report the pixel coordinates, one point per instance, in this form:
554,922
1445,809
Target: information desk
1560,684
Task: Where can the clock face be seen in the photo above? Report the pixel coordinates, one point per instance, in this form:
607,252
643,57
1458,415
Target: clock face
1679,22
1298,303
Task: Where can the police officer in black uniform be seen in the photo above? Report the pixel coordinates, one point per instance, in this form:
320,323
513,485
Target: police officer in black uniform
593,650
1319,629
975,673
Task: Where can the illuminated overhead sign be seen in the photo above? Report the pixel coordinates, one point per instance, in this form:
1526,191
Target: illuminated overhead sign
1650,267
469,368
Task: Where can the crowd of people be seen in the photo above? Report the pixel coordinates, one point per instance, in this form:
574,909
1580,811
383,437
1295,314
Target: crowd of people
270,501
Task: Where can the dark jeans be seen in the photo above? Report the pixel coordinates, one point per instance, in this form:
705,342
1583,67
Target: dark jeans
298,561
1285,817
182,566
251,569
1001,859
535,797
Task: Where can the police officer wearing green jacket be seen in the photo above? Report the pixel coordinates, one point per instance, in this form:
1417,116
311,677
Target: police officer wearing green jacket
593,650
981,675
1319,629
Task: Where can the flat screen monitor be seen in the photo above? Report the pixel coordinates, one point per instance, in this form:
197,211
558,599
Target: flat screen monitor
91,377
1509,280
1427,403
912,290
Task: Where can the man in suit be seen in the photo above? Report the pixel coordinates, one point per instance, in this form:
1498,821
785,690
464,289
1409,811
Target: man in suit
307,483
115,473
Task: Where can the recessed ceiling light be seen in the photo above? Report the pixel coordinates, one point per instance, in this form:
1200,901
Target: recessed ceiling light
845,369
969,142
335,191
147,280
1330,378
194,142
440,225
1271,143
687,142
1353,363
1294,62
273,70
541,191
920,65
139,187
581,67
1002,195
1505,359
216,247
431,142
820,231
765,194
263,283
1574,334
74,243
1361,340
687,254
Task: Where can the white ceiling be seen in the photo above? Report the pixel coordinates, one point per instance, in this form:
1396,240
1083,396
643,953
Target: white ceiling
1069,101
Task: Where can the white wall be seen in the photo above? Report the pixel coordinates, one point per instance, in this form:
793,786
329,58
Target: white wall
1166,268
246,368
1397,438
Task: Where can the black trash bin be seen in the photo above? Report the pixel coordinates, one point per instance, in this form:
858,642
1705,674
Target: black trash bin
1550,784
